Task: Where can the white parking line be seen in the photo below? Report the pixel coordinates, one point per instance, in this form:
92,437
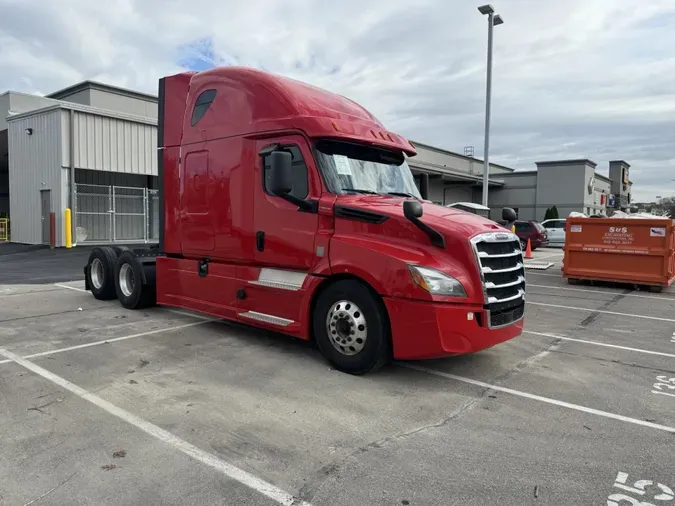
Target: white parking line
113,340
591,310
547,400
671,299
596,343
544,274
535,257
229,470
60,285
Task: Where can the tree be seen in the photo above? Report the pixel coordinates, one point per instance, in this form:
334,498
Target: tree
554,213
547,214
668,206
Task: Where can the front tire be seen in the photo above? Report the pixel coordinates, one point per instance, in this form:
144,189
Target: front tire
131,291
351,327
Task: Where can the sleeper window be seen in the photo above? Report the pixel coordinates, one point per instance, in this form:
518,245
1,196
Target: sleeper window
202,104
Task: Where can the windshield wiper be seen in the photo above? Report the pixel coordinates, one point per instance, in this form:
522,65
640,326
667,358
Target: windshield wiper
401,194
359,190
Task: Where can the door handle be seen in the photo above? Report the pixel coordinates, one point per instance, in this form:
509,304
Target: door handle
203,267
260,240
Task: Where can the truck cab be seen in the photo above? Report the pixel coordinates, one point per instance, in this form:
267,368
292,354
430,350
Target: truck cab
291,208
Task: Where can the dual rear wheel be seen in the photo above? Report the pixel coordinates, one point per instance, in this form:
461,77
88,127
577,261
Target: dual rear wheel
117,273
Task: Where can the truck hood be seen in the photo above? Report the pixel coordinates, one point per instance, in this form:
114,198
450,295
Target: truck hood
446,220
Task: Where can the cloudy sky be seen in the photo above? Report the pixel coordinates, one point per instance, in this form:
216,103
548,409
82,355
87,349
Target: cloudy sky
572,78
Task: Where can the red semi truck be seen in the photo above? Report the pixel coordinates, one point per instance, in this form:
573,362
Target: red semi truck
293,209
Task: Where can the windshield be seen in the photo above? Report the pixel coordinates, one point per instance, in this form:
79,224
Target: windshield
355,168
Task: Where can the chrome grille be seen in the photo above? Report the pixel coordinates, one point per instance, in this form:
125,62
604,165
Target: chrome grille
500,260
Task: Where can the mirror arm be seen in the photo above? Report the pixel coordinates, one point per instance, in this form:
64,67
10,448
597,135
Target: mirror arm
435,236
308,206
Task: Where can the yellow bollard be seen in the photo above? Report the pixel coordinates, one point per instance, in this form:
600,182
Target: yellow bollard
69,228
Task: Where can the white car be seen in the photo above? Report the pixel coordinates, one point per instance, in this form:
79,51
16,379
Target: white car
556,232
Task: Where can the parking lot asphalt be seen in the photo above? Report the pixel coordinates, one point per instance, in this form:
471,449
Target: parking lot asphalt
101,405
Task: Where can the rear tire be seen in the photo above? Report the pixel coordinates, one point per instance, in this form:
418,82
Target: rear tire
101,273
351,328
131,291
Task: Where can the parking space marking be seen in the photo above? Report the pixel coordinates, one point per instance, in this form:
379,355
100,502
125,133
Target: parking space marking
188,313
669,299
559,276
113,340
3,292
547,400
663,492
596,343
229,470
558,255
591,310
60,285
663,381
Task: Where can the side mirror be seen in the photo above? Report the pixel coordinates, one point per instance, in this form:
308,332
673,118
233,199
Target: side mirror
412,209
279,173
509,214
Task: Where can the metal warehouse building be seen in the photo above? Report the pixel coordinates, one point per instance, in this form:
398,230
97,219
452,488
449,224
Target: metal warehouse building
103,139
92,148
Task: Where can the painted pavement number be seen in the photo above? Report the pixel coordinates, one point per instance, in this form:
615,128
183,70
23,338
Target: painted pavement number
663,384
663,492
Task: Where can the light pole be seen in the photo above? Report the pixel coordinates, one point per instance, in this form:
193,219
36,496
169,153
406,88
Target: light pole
493,20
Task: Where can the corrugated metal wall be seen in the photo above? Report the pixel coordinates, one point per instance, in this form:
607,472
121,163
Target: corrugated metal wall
112,144
34,166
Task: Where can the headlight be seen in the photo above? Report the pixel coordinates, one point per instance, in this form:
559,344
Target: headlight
436,283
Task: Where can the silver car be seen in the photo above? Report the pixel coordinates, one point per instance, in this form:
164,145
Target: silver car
556,232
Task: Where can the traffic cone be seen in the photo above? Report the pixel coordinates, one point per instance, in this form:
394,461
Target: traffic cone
528,250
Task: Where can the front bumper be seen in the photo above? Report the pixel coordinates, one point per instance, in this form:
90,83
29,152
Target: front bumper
423,330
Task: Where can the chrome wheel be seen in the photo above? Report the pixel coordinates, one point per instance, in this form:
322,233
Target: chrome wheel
96,273
346,327
126,280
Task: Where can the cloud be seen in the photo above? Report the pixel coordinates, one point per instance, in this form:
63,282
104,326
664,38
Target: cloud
572,78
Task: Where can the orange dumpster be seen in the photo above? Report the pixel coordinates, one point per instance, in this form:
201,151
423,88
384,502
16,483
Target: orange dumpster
624,250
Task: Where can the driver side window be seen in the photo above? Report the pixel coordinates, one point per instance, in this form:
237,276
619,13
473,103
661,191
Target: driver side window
300,184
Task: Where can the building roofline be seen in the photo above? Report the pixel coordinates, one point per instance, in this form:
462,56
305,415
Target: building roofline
603,178
95,85
623,162
86,109
519,173
471,158
578,161
434,169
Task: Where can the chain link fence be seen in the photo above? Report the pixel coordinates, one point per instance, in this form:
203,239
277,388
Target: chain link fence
116,214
